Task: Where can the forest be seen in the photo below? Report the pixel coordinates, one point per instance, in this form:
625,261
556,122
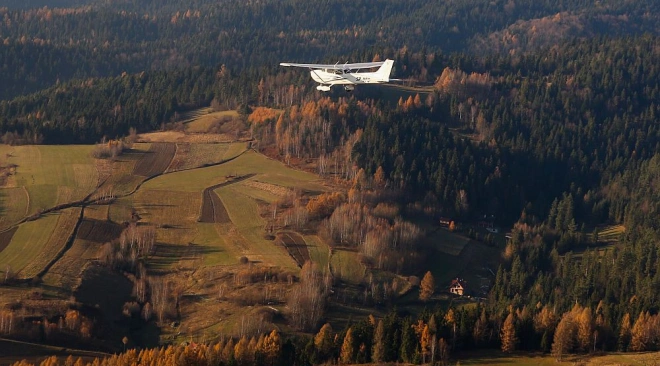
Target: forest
541,115
42,46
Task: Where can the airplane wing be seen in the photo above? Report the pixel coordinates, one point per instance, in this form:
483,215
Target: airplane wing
337,66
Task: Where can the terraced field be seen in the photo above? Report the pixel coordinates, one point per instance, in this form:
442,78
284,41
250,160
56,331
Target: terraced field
190,156
13,205
203,122
156,160
213,210
36,243
49,174
249,235
205,201
295,245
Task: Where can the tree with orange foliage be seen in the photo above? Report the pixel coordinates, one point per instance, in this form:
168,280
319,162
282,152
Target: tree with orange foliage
272,347
425,343
417,102
347,354
508,335
427,287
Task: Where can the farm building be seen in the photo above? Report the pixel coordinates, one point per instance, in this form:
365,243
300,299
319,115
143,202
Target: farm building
445,221
457,287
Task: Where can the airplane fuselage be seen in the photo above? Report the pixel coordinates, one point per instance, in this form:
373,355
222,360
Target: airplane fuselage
347,74
337,77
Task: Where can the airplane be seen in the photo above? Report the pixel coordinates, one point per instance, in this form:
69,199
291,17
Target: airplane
347,74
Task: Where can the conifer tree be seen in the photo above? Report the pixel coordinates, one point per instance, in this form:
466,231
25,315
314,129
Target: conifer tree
347,354
323,340
625,333
508,334
480,327
408,342
241,351
639,338
425,343
585,330
272,347
427,287
378,347
564,336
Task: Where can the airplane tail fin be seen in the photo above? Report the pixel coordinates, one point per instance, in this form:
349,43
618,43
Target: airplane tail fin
385,70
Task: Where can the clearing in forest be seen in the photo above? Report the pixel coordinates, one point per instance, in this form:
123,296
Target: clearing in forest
447,242
345,265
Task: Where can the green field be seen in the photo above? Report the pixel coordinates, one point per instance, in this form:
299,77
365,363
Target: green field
447,242
319,252
38,242
346,266
52,174
266,170
190,156
13,205
204,122
244,214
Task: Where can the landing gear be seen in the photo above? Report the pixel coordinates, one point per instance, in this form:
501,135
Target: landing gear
349,88
325,88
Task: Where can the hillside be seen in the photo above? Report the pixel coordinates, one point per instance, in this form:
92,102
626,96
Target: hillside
107,38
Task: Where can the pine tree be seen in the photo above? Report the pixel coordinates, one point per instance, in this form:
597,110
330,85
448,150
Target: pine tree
323,340
564,336
408,342
425,343
228,352
508,334
347,354
443,351
585,330
241,351
625,333
378,347
640,339
272,347
480,327
427,287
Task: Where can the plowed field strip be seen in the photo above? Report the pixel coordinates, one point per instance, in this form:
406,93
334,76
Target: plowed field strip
98,231
213,210
156,160
5,237
296,247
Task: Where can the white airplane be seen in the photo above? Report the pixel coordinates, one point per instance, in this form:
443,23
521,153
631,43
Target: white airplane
347,74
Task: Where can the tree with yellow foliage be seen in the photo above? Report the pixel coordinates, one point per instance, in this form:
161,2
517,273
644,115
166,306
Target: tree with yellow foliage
379,177
625,333
508,335
347,355
427,287
640,338
425,343
585,330
564,336
323,340
272,347
241,351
